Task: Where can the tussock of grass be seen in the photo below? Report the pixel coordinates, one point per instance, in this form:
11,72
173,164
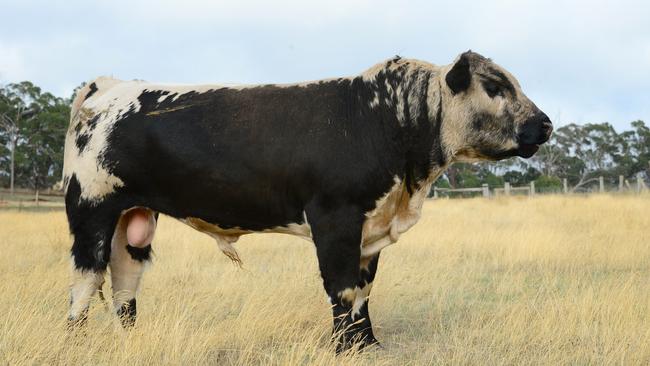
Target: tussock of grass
549,280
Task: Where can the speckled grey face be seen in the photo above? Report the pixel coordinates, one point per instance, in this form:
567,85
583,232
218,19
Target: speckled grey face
496,118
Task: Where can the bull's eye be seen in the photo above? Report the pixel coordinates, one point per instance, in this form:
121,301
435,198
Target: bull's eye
492,89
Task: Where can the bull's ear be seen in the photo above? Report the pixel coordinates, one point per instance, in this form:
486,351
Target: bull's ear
459,77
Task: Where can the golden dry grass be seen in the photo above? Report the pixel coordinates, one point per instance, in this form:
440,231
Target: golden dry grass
549,280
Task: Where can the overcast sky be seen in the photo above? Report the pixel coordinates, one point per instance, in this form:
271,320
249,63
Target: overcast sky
581,61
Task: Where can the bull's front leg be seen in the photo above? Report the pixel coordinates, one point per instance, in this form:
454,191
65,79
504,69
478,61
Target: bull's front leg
337,235
360,309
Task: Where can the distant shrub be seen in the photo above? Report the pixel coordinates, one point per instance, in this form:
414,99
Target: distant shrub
493,181
548,183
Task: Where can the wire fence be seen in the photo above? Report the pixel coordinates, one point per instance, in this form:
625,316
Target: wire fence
598,185
50,199
30,200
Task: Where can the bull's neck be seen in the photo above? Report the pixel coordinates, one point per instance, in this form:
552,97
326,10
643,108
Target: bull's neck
404,99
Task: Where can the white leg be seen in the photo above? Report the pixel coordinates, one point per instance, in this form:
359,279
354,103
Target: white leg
84,285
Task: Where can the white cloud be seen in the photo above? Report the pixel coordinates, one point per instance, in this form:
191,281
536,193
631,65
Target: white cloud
11,63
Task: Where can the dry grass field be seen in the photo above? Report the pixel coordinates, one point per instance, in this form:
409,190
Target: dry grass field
549,280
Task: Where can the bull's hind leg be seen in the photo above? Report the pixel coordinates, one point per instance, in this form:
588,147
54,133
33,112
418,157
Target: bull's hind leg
92,228
84,284
130,250
337,235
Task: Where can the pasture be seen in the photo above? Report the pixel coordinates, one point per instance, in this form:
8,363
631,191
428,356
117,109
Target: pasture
544,280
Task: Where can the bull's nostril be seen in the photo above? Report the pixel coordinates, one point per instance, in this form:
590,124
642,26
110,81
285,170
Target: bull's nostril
547,127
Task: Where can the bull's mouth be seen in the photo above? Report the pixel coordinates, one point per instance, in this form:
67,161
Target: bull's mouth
527,150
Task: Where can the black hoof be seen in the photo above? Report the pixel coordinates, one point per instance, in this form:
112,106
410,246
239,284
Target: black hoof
360,344
76,323
371,343
127,314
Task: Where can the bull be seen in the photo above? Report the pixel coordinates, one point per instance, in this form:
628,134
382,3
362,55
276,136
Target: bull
344,162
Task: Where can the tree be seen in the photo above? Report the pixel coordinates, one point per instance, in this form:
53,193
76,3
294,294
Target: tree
584,152
41,155
520,178
32,126
548,157
17,106
636,159
545,183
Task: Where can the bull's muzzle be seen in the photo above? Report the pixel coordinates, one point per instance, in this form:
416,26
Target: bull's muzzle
534,132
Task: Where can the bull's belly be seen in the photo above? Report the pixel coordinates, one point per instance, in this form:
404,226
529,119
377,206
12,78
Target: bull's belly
302,230
225,237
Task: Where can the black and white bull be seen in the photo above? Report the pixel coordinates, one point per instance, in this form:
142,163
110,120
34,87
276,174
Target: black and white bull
344,162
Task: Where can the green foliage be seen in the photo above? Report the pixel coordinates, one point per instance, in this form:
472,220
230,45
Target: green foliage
468,178
545,183
637,154
493,180
33,125
442,183
519,178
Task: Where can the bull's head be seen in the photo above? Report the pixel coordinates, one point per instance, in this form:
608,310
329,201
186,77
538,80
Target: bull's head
487,116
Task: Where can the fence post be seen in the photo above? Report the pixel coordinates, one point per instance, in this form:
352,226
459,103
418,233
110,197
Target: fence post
601,184
565,186
532,188
639,183
486,190
506,188
620,183
36,198
435,192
